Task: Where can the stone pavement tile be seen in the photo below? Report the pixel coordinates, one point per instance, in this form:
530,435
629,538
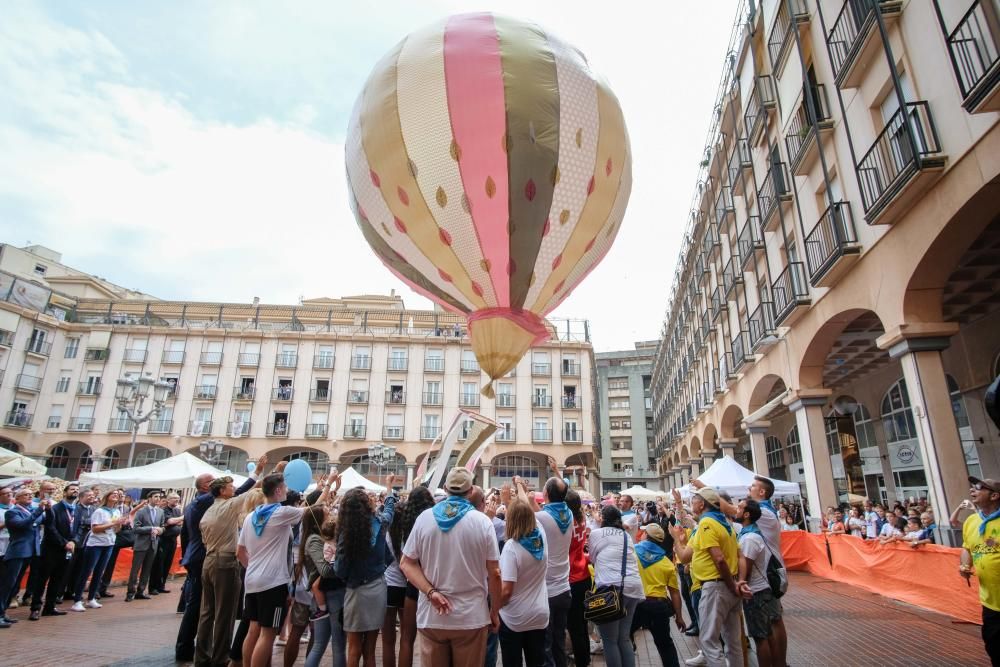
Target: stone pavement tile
828,624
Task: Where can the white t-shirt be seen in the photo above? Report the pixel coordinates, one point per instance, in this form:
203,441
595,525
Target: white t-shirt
856,526
454,563
528,608
100,516
888,530
557,577
871,524
752,546
770,528
631,523
789,526
268,563
605,546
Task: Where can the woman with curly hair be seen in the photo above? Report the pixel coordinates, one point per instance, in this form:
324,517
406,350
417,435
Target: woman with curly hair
420,499
361,561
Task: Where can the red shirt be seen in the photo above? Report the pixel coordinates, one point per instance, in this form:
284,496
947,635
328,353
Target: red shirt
577,557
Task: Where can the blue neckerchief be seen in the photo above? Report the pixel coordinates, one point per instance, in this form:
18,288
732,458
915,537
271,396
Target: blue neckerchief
649,553
450,511
766,504
719,517
533,544
987,519
752,528
261,515
628,512
560,514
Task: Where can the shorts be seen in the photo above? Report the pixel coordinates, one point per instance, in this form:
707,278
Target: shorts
299,615
762,611
394,596
412,592
268,607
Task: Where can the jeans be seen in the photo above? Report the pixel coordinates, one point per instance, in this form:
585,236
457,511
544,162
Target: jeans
555,634
530,643
654,615
330,631
578,635
8,583
95,560
492,644
720,612
615,638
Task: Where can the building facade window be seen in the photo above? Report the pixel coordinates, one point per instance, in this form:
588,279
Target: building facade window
897,417
775,458
515,465
794,446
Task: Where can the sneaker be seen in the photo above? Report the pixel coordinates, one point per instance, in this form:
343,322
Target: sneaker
319,615
280,641
697,661
94,604
304,639
596,647
77,606
14,604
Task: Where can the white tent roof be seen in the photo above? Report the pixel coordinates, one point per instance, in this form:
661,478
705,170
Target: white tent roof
642,493
727,475
13,464
7,455
177,472
351,478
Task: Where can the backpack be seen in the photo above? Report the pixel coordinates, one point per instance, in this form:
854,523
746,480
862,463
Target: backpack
775,573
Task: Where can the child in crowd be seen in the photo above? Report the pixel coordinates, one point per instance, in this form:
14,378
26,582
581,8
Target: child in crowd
855,524
329,533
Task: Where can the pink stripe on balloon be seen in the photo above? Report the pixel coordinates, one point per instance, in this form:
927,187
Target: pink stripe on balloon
474,80
422,292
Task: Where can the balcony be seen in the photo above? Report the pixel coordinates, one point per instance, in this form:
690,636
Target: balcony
800,139
775,191
89,388
707,324
541,435
750,241
719,304
354,431
80,425
975,56
727,367
134,356
832,246
316,430
741,351
395,397
392,432
762,100
541,369
198,428
710,242
571,402
790,292
277,430
466,400
541,401
18,419
724,207
120,425
506,401
429,432
206,392
38,347
211,359
434,365
504,434
6,338
399,364
700,267
244,393
732,275
470,366
572,436
320,396
248,360
238,429
96,354
852,42
361,362
171,357
357,397
718,382
286,360
160,426
25,382
741,167
282,394
782,37
433,398
323,361
760,326
901,163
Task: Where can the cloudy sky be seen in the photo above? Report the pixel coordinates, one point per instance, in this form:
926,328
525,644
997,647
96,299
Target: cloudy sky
194,150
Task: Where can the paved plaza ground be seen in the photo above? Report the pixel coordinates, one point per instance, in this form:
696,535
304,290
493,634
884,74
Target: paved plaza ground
829,624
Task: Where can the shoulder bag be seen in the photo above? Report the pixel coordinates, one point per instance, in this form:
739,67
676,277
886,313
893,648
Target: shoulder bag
604,604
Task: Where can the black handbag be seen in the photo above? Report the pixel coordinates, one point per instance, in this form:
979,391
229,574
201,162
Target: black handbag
605,604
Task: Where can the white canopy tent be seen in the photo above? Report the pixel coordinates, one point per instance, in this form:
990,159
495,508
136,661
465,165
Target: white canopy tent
8,455
13,464
727,475
351,478
177,472
642,493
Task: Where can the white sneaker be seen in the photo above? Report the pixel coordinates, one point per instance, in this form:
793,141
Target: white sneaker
77,606
280,641
14,604
697,661
94,604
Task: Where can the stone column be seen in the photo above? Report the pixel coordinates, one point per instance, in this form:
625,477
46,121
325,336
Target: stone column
485,469
728,446
695,464
410,468
937,432
708,457
685,471
758,434
820,490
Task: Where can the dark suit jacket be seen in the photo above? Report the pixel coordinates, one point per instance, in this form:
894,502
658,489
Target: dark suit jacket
81,524
58,526
143,525
25,533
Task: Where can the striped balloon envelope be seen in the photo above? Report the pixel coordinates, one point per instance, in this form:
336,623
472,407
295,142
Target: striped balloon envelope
489,169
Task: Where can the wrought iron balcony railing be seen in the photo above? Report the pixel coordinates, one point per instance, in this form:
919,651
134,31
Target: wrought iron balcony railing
973,47
829,239
789,291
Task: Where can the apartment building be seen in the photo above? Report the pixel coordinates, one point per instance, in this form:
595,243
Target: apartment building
625,418
833,310
322,381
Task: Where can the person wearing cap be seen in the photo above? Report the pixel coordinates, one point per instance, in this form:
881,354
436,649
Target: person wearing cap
451,557
663,597
714,558
981,556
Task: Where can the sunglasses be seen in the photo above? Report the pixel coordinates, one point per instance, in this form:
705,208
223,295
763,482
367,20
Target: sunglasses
979,486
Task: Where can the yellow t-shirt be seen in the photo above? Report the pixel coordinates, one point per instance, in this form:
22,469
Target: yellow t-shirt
985,550
711,534
658,577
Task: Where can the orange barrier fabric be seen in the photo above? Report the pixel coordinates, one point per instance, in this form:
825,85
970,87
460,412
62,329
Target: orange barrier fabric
925,577
124,564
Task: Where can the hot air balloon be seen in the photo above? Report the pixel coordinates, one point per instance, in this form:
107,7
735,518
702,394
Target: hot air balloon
489,169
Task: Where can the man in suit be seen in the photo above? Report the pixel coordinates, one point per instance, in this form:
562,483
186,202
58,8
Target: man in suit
57,554
173,524
148,526
23,523
85,507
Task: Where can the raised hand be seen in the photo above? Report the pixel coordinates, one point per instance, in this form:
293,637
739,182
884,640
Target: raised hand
280,468
261,462
390,481
505,494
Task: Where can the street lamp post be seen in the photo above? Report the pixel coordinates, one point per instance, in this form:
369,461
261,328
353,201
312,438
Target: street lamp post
380,455
211,450
131,396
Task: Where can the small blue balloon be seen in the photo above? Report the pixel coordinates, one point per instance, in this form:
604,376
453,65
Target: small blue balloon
298,474
251,466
